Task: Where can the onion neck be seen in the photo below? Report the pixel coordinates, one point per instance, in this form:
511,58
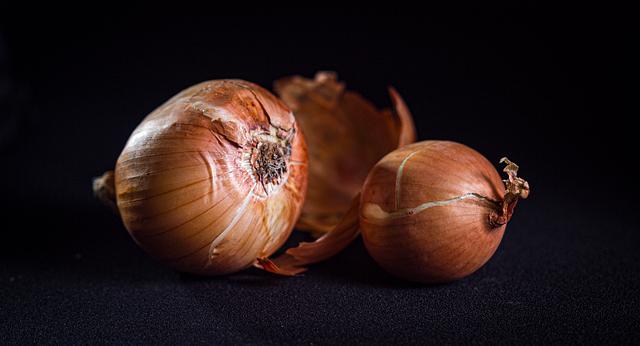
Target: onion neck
105,190
515,188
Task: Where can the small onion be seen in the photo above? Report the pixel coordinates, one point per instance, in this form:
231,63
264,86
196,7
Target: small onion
213,179
436,211
433,211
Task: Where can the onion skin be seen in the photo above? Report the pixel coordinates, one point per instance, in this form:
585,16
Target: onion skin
346,135
432,211
214,178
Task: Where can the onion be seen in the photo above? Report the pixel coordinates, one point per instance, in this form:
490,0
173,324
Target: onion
346,136
436,211
213,179
433,211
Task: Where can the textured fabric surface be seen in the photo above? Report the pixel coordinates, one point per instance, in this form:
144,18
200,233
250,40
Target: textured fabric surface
572,279
541,86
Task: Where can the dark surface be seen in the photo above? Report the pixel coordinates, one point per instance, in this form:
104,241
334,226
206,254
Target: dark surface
543,86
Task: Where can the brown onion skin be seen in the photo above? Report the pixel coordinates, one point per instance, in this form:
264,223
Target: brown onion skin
182,179
440,243
346,136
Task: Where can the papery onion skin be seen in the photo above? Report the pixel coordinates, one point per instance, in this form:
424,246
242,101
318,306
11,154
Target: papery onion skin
429,212
214,178
346,135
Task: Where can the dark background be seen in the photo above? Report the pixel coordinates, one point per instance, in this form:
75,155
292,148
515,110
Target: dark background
543,85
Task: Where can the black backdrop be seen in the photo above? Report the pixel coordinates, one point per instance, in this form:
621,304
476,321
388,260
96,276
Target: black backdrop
541,85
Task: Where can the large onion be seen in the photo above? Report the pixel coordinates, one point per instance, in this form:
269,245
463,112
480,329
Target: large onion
213,179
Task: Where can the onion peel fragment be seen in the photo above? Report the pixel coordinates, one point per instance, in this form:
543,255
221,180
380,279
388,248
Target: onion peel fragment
346,135
294,260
